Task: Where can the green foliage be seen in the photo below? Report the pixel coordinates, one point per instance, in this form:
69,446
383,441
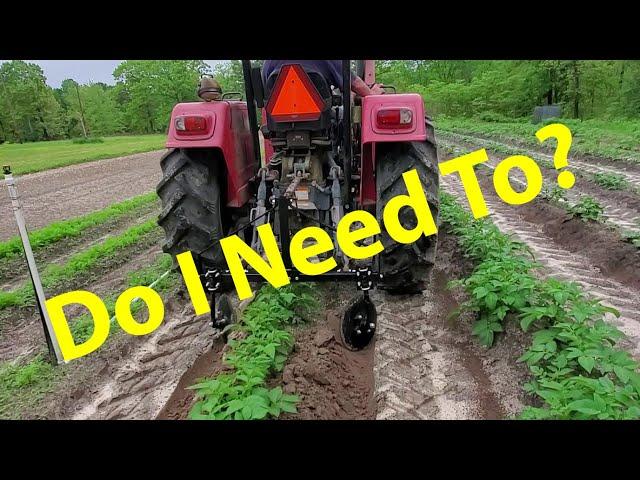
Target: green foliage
587,209
632,237
147,90
82,140
261,350
24,383
577,370
556,194
611,181
28,108
613,138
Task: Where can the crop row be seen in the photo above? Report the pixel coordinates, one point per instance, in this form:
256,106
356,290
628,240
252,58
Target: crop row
578,371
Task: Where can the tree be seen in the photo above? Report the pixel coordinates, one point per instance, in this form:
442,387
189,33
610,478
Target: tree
147,90
28,106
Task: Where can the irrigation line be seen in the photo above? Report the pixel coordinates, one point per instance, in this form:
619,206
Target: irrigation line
155,282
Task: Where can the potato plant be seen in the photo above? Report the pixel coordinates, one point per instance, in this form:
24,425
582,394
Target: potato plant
577,369
264,345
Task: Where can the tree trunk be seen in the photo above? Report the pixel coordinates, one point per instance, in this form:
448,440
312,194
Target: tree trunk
576,84
84,128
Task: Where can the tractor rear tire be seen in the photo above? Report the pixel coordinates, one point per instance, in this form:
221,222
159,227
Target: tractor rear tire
191,215
407,268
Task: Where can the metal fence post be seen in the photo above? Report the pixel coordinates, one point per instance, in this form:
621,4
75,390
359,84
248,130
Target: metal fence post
49,333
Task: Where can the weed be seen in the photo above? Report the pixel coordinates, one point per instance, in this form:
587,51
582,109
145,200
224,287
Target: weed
632,237
22,384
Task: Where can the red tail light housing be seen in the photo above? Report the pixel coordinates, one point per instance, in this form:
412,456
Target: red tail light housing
395,118
191,124
294,97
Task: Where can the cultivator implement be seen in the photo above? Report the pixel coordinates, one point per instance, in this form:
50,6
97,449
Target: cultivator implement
325,157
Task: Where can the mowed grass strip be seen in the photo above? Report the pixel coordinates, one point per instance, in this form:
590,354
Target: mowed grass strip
74,227
82,262
36,156
619,139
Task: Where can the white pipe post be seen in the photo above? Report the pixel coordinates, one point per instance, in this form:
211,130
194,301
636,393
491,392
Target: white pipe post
49,333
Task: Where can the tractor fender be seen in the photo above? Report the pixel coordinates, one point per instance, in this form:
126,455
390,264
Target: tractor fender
371,134
227,134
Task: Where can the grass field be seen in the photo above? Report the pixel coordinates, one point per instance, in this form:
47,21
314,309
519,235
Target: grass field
611,139
37,156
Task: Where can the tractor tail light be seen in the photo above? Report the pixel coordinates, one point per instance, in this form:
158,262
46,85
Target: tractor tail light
191,124
395,118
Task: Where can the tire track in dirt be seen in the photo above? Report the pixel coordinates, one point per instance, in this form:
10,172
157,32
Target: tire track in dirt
140,386
68,192
562,264
426,368
623,217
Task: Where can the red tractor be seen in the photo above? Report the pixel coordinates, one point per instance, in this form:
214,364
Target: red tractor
326,154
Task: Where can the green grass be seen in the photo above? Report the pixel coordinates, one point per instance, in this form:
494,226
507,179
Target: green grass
55,275
34,157
24,384
65,229
611,139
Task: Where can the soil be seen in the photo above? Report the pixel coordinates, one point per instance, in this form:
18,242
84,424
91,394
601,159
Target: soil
333,382
72,191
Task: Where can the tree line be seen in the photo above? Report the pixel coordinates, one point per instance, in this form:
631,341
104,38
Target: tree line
585,89
145,91
141,100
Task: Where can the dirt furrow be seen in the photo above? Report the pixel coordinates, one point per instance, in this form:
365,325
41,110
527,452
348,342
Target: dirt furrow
589,164
626,218
428,367
563,264
68,192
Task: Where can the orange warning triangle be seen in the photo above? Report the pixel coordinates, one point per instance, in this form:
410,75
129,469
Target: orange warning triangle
294,98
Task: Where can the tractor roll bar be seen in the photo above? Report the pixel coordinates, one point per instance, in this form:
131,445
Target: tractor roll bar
251,109
346,122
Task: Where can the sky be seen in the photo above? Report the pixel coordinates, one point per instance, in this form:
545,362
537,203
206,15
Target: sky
83,71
